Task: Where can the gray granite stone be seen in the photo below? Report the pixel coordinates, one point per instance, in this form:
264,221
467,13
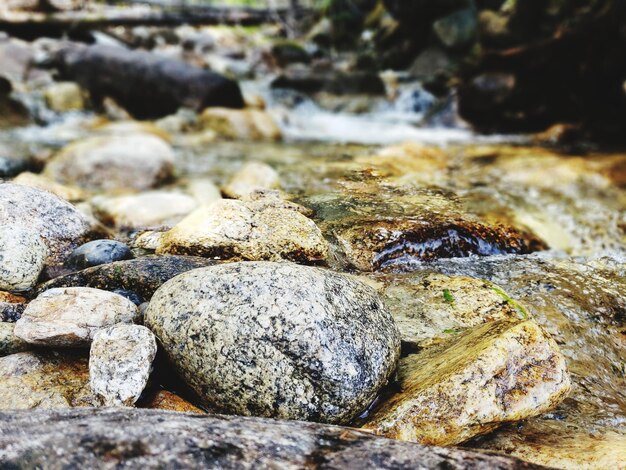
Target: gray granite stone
277,339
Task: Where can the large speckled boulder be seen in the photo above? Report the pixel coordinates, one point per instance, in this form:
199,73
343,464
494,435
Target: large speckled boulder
277,339
496,373
120,361
267,228
22,258
70,317
61,226
130,161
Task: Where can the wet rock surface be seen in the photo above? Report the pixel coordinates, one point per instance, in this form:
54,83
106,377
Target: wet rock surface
137,437
98,252
498,372
120,362
433,307
276,340
70,317
44,380
143,276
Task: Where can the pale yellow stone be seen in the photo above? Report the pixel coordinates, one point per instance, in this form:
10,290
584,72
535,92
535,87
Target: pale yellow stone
496,373
64,96
249,124
69,193
252,177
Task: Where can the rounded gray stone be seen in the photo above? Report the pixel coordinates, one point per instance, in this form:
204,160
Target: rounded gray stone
276,339
61,226
22,257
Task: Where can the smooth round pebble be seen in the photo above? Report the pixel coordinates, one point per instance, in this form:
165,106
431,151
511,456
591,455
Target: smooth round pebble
99,252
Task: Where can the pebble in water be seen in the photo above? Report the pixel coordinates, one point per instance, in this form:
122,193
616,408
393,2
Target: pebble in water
99,252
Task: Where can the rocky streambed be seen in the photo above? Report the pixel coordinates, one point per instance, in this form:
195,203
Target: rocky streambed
221,287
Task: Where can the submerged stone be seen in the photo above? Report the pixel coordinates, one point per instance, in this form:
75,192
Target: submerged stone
148,209
374,245
250,178
276,339
495,373
44,380
430,308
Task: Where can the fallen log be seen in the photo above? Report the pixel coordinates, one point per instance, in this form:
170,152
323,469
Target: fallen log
141,438
146,85
30,25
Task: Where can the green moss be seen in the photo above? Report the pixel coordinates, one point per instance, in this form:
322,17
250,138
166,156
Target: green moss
447,296
521,311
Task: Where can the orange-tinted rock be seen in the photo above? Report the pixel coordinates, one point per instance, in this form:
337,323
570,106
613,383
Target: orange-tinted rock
164,400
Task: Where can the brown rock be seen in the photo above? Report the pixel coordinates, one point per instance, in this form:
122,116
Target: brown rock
495,373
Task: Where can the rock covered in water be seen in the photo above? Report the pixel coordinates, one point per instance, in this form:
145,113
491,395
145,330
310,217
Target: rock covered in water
263,229
495,373
128,161
70,317
148,209
9,343
44,380
142,276
252,177
432,307
61,226
247,124
120,361
276,339
23,256
380,244
97,252
91,438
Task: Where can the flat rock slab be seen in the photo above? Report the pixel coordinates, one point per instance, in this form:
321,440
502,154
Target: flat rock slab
495,373
71,316
143,276
137,438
